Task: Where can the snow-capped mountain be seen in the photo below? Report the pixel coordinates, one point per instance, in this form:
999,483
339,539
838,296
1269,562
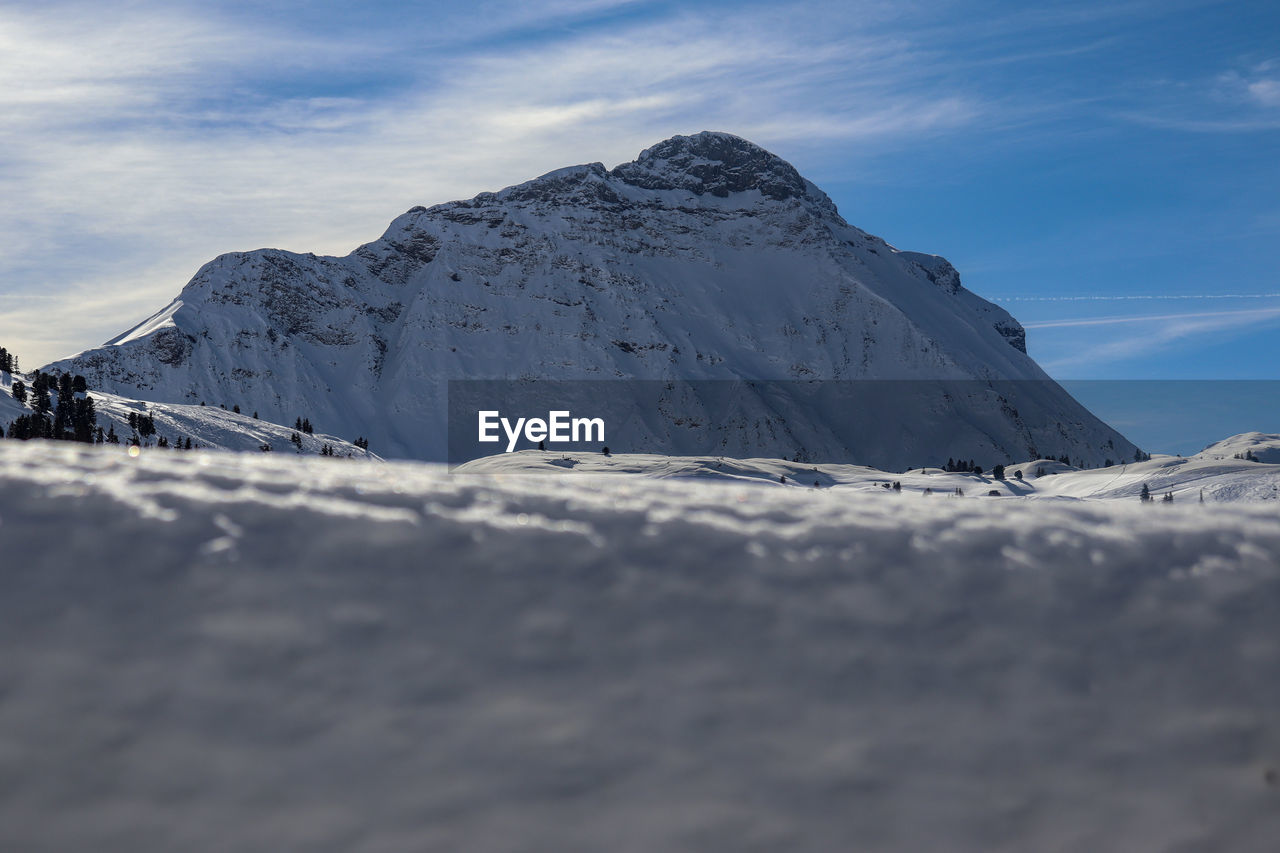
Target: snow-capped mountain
705,258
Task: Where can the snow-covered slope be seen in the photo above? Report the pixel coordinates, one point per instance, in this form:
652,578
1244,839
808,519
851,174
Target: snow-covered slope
1263,446
705,258
214,428
206,651
208,427
10,409
1215,477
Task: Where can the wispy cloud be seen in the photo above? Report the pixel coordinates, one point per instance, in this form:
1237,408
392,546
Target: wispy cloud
1151,334
139,143
1234,101
1133,297
1241,317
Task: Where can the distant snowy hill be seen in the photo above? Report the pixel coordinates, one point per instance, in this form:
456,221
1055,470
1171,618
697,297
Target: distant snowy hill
1262,446
706,258
205,651
1216,476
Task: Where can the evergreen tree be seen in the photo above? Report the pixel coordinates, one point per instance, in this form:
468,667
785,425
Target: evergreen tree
998,472
19,391
84,419
31,426
42,402
1146,494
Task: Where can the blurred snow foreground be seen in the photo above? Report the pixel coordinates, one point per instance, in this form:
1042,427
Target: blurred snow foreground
234,652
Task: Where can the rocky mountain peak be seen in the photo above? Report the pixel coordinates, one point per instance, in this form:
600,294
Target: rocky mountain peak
705,258
713,163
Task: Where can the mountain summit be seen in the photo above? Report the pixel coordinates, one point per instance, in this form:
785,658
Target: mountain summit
717,164
707,257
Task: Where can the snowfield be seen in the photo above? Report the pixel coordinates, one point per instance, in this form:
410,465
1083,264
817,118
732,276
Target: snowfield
1213,474
246,652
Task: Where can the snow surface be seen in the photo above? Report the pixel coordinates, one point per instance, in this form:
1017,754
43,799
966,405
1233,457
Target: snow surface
205,651
1213,474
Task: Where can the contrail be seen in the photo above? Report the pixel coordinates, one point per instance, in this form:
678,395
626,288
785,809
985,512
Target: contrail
1257,313
1128,297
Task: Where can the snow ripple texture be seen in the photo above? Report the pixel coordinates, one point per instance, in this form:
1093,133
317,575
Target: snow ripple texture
228,652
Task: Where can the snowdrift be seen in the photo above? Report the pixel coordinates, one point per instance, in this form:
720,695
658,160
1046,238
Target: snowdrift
252,652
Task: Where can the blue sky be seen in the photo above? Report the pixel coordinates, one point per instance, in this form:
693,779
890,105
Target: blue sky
1106,171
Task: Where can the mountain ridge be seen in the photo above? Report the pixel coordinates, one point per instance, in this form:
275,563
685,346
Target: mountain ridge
707,257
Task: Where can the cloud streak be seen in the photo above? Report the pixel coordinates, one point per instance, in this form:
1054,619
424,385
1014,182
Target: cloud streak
1245,317
1162,332
140,144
